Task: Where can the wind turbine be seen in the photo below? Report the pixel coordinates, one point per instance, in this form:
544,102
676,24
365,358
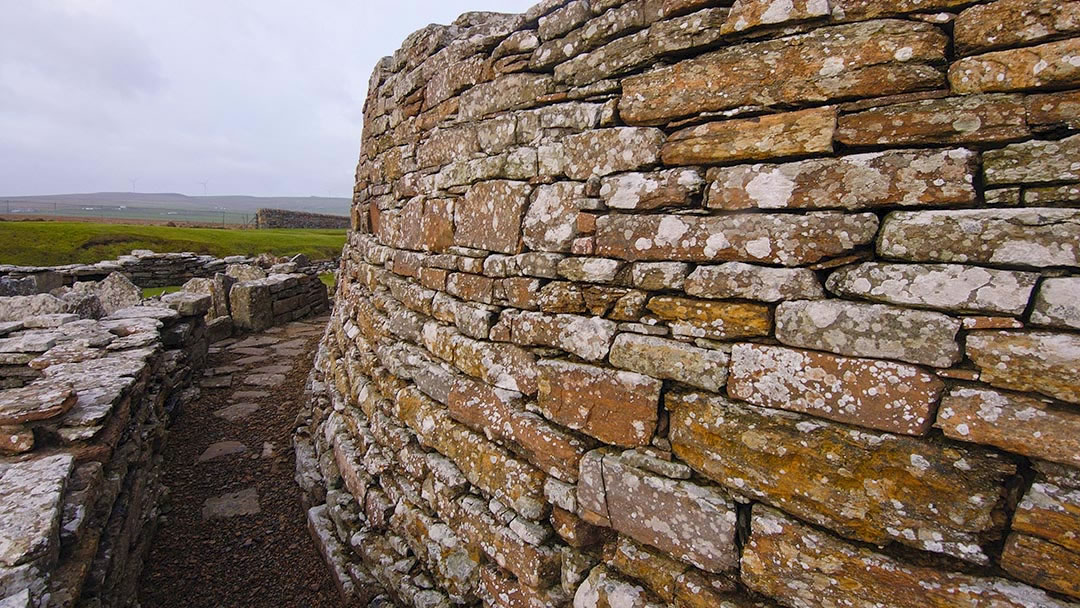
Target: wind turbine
204,186
133,181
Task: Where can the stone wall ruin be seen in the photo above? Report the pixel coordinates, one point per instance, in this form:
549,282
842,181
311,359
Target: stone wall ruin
689,303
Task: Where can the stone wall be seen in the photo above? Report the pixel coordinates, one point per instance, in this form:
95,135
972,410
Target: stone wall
673,303
283,218
81,434
145,268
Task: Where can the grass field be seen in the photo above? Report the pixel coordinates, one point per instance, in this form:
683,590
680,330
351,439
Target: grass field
54,243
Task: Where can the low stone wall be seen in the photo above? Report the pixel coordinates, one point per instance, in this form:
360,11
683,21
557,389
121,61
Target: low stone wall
81,436
282,218
665,303
143,267
277,299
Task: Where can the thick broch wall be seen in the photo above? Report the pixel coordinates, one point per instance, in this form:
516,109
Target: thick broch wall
283,218
671,302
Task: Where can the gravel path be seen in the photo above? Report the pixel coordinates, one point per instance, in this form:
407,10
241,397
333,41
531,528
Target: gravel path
234,532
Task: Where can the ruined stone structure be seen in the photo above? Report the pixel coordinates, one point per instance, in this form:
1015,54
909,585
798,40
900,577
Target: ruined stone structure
83,408
282,218
676,303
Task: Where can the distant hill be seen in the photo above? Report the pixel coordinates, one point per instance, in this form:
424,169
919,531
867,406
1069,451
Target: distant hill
165,206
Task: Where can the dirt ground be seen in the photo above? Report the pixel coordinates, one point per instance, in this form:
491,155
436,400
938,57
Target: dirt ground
212,549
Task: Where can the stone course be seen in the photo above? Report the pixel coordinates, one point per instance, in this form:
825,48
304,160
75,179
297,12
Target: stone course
673,303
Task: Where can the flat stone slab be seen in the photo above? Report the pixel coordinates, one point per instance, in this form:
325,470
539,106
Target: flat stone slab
37,401
267,380
252,360
232,504
255,341
237,411
250,351
222,449
217,382
31,495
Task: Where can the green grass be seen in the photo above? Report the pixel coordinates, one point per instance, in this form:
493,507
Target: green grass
153,292
328,279
55,243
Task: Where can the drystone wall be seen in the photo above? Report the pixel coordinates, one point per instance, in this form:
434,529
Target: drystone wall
681,303
84,404
282,218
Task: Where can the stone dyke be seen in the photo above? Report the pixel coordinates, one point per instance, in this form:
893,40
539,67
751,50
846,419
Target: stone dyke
84,405
283,218
680,303
143,267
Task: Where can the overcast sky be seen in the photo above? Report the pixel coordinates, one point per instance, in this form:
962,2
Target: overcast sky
260,97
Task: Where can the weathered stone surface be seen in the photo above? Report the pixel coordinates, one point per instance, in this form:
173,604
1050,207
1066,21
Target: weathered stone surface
551,221
976,118
710,319
763,137
245,272
1043,563
489,216
870,330
37,401
589,270
116,291
606,151
252,305
909,178
858,60
14,308
503,365
750,282
875,394
499,415
750,14
1057,303
1054,109
950,287
587,337
641,191
616,57
1034,161
1048,65
614,406
1044,362
765,238
689,521
1013,23
655,276
605,588
1022,237
232,504
789,560
31,494
1014,422
930,495
512,91
670,360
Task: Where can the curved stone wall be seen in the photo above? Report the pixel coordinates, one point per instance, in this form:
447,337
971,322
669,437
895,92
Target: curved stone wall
666,302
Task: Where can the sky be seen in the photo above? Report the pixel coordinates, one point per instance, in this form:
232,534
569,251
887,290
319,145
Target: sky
258,97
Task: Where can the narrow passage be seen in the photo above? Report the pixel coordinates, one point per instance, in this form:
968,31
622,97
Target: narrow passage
234,530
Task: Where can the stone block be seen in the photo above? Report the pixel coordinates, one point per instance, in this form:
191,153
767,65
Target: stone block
617,407
1014,422
1016,237
712,319
949,287
1049,65
907,178
750,282
867,59
250,303
1033,161
750,14
787,134
787,560
643,191
870,330
788,240
1013,23
952,120
606,151
1057,303
1044,362
931,495
587,337
551,220
670,360
870,393
489,216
